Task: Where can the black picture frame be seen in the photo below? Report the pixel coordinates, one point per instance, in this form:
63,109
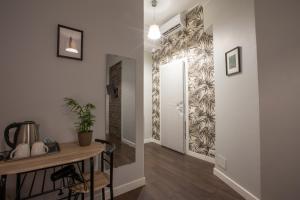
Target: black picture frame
59,39
237,69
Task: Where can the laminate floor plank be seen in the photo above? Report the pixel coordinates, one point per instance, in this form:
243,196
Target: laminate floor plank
174,176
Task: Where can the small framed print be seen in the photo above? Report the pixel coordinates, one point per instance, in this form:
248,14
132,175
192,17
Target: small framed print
233,62
69,42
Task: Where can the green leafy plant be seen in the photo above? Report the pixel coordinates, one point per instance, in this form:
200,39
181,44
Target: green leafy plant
84,112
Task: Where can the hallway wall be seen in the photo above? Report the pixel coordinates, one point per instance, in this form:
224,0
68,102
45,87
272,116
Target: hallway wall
278,49
237,106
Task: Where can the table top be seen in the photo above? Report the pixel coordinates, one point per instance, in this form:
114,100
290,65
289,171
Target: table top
69,153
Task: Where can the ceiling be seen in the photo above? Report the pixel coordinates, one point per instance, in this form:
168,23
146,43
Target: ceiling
164,10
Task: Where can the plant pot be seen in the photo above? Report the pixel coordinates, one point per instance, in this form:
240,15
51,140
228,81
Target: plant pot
85,138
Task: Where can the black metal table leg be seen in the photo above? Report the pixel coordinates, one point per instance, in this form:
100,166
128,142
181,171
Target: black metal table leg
82,169
18,187
91,178
3,187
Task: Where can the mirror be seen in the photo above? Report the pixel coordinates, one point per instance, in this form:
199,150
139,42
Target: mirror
120,107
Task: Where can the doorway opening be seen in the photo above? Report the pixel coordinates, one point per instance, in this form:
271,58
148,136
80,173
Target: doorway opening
173,104
179,104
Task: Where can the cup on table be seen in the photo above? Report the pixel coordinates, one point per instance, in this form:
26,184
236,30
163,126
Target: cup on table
39,148
21,151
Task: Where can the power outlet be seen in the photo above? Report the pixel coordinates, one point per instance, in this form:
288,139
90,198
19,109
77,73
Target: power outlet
221,162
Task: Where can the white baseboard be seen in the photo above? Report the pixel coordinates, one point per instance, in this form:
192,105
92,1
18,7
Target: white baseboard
121,189
132,144
234,185
156,141
200,156
148,140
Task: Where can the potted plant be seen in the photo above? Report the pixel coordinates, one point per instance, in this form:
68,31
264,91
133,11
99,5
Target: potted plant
85,120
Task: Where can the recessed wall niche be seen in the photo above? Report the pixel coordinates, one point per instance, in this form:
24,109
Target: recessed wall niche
196,46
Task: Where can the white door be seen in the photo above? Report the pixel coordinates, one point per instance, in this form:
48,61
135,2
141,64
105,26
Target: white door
172,105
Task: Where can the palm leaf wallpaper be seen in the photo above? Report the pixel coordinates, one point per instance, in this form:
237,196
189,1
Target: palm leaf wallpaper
196,46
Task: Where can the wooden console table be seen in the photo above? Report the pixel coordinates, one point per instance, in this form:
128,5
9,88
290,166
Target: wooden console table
69,153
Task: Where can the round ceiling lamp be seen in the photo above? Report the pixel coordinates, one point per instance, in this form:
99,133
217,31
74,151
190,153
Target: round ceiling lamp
154,32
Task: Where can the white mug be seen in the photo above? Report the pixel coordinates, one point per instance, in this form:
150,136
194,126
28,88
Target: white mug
21,151
39,148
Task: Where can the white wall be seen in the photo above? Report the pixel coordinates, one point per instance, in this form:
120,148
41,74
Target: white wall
278,31
33,81
147,95
237,106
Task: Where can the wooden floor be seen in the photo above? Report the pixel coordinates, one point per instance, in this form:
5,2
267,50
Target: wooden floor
173,176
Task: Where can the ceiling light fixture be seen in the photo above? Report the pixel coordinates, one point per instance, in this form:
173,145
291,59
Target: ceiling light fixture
71,46
154,32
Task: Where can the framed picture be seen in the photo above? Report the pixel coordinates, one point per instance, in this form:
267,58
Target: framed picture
69,42
233,63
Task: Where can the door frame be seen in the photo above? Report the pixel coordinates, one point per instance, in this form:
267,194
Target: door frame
186,118
186,109
185,112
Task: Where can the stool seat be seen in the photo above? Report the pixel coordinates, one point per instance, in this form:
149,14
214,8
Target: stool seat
101,180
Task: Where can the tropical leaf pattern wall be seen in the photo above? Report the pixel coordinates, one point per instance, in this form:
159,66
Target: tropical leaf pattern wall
196,46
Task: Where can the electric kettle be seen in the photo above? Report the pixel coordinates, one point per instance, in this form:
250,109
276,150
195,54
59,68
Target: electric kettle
26,132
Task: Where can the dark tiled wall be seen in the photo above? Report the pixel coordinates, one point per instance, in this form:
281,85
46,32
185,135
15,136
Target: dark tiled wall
115,77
